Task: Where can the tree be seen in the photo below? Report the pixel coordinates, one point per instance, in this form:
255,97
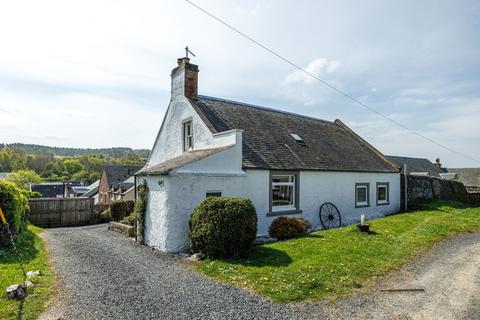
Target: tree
12,159
23,178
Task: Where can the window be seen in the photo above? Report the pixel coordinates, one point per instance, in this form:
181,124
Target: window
382,193
187,135
362,195
284,193
213,194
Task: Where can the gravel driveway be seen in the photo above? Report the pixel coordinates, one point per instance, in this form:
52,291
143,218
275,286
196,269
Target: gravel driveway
103,275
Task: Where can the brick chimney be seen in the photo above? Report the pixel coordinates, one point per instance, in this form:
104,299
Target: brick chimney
437,163
185,79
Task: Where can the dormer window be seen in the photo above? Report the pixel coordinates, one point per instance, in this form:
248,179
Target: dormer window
187,135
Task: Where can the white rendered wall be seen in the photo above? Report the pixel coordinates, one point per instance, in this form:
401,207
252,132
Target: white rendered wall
186,191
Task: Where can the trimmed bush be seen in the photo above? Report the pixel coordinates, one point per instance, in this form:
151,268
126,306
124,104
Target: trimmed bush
287,228
14,205
118,210
223,227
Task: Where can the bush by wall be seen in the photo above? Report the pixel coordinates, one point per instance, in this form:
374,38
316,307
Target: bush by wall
286,228
223,227
118,210
140,211
130,206
14,205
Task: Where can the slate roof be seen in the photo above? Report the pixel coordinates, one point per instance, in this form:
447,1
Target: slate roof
268,144
417,165
468,176
92,190
116,173
49,189
184,159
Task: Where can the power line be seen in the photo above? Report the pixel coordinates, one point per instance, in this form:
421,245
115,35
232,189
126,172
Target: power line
331,86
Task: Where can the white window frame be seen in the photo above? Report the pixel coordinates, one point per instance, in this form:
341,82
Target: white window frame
187,138
366,203
387,193
294,192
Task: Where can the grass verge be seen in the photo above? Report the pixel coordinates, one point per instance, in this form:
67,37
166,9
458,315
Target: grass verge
333,263
34,257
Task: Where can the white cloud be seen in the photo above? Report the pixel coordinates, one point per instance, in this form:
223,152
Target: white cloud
318,67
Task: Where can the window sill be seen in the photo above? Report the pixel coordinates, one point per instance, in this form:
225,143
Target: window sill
281,213
383,204
362,206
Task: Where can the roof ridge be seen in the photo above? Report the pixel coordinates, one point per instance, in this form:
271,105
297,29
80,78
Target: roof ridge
263,108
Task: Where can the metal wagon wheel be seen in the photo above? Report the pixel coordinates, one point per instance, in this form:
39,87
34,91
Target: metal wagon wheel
330,216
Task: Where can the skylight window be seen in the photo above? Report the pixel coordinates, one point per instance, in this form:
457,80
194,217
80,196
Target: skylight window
296,137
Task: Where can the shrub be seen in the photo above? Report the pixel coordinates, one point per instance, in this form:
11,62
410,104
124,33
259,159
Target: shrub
105,216
132,218
124,221
223,227
14,205
140,211
118,210
286,228
130,206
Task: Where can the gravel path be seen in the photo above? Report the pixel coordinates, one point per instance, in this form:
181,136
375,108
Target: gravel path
103,275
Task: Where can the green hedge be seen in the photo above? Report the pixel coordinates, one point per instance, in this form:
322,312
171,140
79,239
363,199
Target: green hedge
118,210
223,227
14,204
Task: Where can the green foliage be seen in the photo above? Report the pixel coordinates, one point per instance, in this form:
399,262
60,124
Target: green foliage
130,206
223,227
132,218
12,159
14,205
140,211
81,167
284,228
328,264
106,216
34,257
118,210
23,178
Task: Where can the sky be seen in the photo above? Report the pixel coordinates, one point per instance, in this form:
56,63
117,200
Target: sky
97,73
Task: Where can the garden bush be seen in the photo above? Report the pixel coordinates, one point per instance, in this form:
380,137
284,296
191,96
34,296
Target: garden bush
223,227
130,206
119,210
105,216
14,205
286,228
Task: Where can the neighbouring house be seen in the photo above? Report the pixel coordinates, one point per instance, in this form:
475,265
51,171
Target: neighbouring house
112,180
92,192
125,190
49,189
285,163
470,177
419,166
3,175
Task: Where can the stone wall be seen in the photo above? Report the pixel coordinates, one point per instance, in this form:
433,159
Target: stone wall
62,212
421,189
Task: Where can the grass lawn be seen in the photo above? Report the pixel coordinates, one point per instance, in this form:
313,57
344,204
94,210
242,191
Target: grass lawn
329,264
34,257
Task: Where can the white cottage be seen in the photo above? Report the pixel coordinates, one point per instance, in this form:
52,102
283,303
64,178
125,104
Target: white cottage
287,164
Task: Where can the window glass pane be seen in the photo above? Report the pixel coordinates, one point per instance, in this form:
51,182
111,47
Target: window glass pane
289,178
361,194
382,193
282,195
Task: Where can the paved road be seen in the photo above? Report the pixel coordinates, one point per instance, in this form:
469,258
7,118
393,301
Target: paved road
103,275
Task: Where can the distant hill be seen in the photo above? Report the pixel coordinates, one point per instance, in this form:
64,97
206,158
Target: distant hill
59,151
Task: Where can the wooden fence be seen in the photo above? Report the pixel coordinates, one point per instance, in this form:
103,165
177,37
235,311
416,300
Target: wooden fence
62,212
